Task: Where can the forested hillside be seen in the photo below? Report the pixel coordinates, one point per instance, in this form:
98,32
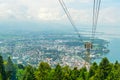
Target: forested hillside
103,71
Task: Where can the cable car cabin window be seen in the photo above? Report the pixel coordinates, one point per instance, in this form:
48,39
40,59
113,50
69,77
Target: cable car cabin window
88,45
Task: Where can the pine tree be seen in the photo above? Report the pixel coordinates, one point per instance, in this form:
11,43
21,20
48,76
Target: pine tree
43,71
116,66
66,73
75,73
10,70
58,75
83,74
29,73
92,70
115,72
103,70
2,69
44,67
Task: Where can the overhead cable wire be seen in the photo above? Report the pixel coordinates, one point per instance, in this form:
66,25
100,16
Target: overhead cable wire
96,16
96,9
93,18
69,18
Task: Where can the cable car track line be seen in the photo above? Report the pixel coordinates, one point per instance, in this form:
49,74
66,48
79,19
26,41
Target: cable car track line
70,18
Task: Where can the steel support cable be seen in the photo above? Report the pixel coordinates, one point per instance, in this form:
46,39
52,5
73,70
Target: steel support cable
69,18
96,9
93,18
96,16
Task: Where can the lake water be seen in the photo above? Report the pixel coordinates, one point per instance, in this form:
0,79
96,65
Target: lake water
114,48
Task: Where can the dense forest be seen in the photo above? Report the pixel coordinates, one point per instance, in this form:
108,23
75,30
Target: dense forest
102,71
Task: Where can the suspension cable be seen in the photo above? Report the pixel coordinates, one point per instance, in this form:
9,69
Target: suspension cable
96,9
70,18
97,14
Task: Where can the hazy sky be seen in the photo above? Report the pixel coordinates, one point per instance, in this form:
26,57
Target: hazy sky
50,12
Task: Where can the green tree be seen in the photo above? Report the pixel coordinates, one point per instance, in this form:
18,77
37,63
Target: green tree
83,74
2,69
29,73
20,71
75,73
44,67
43,71
66,73
20,66
58,74
10,70
116,65
115,72
20,74
104,70
0,77
92,70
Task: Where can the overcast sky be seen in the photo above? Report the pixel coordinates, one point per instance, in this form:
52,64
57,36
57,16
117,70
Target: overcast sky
50,12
